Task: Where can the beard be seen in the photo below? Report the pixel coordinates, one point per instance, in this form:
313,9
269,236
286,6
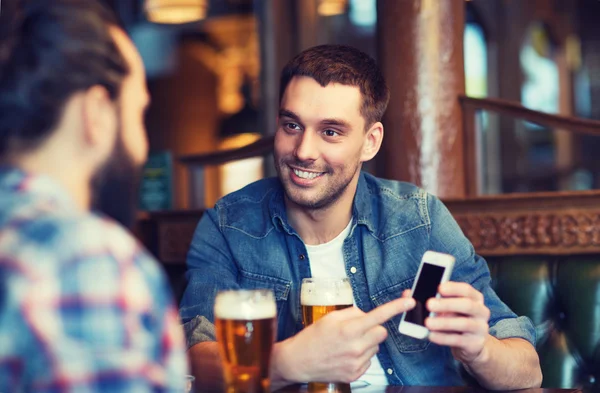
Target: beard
115,186
337,182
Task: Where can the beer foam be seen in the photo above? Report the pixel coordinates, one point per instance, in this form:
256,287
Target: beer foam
310,296
230,305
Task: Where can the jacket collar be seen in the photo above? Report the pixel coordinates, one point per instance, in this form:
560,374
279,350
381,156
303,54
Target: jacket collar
363,204
278,212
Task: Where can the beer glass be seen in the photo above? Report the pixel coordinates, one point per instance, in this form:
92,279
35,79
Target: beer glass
245,323
320,296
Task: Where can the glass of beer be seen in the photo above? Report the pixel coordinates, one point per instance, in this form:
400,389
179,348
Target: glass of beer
320,296
245,323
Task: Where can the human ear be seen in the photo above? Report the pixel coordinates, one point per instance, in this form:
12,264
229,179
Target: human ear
373,139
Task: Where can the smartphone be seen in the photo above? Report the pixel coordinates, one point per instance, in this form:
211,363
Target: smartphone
435,269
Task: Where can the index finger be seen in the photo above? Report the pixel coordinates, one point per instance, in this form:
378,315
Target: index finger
383,313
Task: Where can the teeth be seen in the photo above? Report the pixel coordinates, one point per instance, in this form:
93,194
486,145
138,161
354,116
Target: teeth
306,175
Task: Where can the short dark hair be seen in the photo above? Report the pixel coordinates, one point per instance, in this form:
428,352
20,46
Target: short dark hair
50,50
345,65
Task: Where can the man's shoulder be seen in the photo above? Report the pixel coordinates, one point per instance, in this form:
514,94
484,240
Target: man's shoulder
96,232
393,196
391,207
401,207
79,252
393,189
58,236
249,209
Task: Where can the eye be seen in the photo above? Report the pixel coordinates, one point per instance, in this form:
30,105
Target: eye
292,126
330,133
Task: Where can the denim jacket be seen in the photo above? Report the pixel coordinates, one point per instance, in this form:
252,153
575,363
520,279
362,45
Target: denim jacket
245,241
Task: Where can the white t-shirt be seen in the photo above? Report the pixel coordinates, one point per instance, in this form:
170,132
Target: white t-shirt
327,260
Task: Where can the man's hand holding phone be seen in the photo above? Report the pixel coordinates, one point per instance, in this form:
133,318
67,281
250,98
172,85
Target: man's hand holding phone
458,316
461,320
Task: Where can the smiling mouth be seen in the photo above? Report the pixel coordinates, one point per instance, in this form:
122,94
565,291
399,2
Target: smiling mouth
306,175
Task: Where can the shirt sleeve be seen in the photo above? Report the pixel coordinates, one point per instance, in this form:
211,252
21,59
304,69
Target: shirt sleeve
105,322
447,237
210,268
197,330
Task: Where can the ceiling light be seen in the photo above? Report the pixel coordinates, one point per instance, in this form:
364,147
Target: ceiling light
332,7
175,11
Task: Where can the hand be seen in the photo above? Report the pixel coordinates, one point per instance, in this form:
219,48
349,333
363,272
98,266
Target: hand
339,346
461,320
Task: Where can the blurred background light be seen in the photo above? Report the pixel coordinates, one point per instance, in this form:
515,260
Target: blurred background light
175,11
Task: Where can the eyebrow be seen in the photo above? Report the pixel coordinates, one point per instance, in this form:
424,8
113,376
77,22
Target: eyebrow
290,114
328,122
336,122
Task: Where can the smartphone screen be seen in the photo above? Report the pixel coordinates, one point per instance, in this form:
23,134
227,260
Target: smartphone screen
427,285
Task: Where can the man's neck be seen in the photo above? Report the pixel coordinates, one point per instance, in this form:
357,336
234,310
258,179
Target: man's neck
61,170
318,226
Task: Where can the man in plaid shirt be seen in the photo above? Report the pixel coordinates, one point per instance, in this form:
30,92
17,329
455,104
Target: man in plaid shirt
83,307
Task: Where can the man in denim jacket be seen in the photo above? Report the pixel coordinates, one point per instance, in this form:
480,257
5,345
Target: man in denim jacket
275,232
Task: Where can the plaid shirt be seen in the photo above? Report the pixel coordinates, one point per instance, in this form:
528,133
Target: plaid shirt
83,307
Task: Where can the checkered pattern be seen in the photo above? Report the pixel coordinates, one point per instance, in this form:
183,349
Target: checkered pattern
83,308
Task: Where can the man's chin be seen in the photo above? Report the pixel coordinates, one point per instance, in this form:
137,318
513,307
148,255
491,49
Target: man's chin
304,201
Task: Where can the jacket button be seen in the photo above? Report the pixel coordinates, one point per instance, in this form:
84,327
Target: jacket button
390,371
352,270
301,256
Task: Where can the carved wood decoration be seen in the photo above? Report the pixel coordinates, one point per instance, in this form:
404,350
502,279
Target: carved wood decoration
532,233
526,224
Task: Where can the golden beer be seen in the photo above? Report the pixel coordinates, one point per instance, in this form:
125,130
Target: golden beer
311,314
245,324
319,297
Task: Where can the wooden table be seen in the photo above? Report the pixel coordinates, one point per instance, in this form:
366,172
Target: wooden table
427,389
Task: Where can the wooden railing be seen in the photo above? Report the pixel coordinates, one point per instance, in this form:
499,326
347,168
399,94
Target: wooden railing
529,223
472,106
259,148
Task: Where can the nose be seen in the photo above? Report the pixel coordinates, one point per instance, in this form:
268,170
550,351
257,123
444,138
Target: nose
307,148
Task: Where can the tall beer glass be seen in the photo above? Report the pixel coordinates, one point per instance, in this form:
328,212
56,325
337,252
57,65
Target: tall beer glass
320,296
245,322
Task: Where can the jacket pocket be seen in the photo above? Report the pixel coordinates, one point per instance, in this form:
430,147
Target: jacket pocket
404,343
281,288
